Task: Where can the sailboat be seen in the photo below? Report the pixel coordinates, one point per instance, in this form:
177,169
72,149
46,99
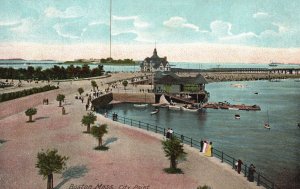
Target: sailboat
163,102
267,124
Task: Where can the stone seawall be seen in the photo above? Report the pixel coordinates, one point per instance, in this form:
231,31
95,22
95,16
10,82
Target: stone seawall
134,97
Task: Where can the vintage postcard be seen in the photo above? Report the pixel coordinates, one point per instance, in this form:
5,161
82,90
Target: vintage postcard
149,94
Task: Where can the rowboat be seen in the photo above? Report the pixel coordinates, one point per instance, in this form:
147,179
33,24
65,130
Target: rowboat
154,111
174,107
190,109
140,105
237,116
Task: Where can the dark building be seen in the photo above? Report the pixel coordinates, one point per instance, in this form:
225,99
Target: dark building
189,88
155,63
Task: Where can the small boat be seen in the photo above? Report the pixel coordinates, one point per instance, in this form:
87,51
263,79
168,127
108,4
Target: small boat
174,107
233,108
190,108
256,93
267,126
237,116
140,105
154,111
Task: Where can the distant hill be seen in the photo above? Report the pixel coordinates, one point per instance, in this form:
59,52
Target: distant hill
12,59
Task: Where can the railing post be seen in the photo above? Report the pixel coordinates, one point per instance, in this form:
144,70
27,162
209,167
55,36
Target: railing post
124,120
258,179
191,142
131,122
155,128
139,124
222,160
147,126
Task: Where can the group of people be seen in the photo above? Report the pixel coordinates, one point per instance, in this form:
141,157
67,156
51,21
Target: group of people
206,148
251,170
169,133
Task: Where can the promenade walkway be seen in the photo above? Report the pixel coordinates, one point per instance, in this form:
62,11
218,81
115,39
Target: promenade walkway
135,158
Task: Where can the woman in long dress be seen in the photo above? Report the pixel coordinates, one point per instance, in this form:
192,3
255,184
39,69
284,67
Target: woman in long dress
204,147
208,150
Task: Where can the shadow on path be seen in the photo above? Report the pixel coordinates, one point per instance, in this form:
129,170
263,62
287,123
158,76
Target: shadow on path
72,173
110,140
38,118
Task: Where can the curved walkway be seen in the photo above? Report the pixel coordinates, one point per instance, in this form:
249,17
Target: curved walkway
135,158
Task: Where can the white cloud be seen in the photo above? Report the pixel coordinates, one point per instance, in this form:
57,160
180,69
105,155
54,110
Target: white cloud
97,22
281,27
59,28
179,22
24,26
7,23
220,28
137,22
260,15
241,38
134,25
71,12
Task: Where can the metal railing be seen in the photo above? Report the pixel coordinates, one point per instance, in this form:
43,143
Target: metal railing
259,178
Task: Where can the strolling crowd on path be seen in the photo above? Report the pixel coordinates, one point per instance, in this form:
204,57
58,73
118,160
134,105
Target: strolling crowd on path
251,170
206,148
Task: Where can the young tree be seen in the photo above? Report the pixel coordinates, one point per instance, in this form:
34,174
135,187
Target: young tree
80,90
60,97
98,133
50,162
30,112
173,150
94,84
87,120
125,83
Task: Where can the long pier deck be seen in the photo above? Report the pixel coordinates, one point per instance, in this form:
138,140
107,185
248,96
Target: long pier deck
232,106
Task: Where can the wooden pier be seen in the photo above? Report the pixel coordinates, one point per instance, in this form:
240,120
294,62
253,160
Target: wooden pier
228,106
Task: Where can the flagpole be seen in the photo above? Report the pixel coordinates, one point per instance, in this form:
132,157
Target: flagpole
110,28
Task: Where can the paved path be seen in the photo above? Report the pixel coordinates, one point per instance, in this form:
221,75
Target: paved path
135,157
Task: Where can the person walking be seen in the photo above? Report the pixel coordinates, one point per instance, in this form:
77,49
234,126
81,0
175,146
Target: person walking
171,133
208,150
201,145
251,173
204,146
168,133
63,111
239,166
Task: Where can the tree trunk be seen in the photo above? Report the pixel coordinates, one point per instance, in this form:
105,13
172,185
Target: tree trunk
60,103
173,162
50,181
88,130
100,142
30,118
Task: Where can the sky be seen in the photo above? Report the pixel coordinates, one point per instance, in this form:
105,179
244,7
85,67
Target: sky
256,31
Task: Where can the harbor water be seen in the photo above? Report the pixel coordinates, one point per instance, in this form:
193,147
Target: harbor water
269,150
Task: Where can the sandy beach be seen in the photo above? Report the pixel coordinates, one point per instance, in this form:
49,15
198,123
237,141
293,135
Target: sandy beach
135,157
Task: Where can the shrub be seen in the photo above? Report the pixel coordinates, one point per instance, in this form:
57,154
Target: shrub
25,92
204,187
